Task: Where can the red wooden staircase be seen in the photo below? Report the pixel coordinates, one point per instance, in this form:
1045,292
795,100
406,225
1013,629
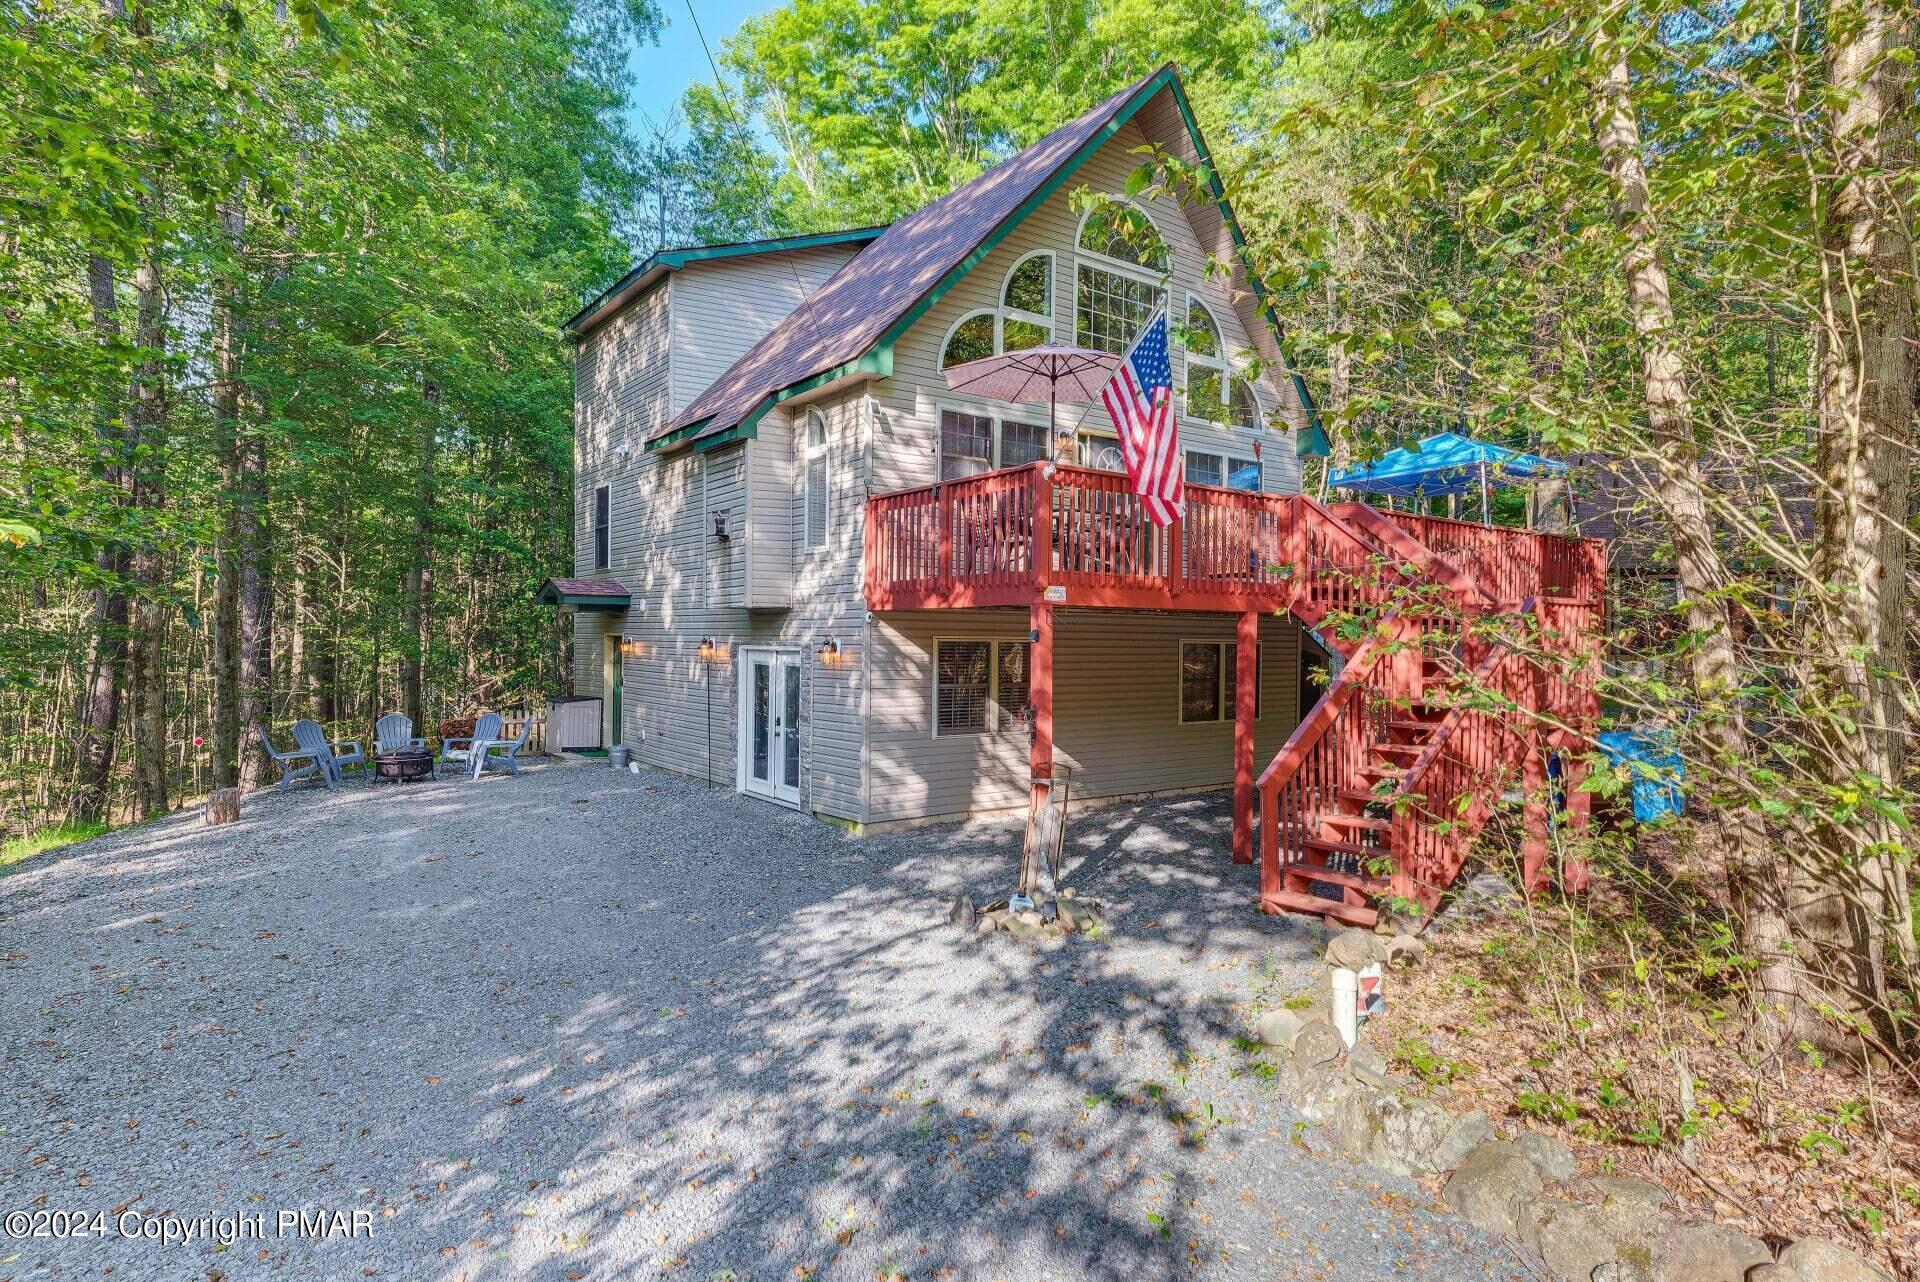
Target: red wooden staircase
1470,657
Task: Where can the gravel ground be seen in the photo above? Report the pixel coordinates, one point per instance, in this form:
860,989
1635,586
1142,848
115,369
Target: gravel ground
587,1025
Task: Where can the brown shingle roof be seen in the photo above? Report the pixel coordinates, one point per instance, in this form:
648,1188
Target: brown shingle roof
1614,500
853,311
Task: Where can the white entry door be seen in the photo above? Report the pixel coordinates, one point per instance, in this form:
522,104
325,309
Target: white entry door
770,725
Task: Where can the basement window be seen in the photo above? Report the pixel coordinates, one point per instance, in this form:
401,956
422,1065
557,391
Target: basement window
979,685
1209,681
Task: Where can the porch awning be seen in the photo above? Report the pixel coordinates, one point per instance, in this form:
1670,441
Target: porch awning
603,595
1445,463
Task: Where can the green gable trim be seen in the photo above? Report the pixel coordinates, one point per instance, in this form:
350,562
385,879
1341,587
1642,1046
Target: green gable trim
1314,439
679,437
879,358
673,260
877,362
1161,79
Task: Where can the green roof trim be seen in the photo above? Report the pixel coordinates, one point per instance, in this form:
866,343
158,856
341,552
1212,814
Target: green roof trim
1311,441
1314,439
877,363
673,260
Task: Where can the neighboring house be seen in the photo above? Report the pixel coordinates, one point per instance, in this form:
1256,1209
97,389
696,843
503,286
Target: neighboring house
736,407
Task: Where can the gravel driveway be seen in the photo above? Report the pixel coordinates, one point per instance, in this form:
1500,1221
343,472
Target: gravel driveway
587,1025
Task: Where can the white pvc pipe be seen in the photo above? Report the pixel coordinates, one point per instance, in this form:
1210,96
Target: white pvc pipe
1346,1010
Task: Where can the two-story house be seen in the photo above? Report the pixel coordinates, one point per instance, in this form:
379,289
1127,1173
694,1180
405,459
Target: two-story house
736,406
810,570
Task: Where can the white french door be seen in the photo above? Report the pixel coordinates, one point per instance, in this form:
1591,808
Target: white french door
770,725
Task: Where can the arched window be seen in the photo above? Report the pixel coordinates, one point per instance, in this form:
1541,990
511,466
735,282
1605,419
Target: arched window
1214,392
1024,318
1026,304
816,473
1119,276
970,340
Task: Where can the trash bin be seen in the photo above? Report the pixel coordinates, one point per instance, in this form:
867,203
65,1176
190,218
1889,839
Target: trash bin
619,755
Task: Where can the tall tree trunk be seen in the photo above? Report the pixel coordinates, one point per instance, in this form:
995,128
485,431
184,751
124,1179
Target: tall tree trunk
1855,911
107,653
253,553
1734,833
226,583
147,442
419,584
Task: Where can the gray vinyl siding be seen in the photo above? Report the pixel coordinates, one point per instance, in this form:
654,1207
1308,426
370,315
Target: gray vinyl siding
770,532
1116,712
724,490
722,308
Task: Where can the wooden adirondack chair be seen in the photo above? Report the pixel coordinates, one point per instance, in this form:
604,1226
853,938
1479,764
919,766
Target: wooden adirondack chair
289,770
393,732
333,757
468,753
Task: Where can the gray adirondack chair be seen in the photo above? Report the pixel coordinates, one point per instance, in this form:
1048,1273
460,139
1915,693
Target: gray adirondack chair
334,757
503,753
290,767
395,731
467,753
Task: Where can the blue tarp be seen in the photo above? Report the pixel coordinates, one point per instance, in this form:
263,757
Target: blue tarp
1445,463
1656,769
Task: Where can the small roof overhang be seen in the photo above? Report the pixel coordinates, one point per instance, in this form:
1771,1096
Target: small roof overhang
605,596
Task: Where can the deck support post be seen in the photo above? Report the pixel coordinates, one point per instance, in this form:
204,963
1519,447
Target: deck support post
1245,689
1040,696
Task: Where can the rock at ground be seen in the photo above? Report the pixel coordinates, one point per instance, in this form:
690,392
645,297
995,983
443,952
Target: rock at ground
1019,927
1405,950
1353,949
1575,1238
961,913
1279,1027
1371,1066
1818,1260
1493,1187
1706,1253
1078,913
1553,1159
986,925
1068,892
1627,1191
1405,1135
1317,1042
1621,1271
1030,917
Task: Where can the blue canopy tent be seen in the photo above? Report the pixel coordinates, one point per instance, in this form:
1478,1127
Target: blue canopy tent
1445,463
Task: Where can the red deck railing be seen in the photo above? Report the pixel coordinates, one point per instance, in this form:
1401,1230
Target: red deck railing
1004,538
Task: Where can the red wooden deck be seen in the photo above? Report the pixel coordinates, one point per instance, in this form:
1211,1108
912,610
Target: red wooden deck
1380,790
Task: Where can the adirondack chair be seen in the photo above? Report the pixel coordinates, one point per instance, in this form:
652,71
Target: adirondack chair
333,757
502,752
289,770
466,753
395,731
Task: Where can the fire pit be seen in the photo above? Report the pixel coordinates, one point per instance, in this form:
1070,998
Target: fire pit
403,764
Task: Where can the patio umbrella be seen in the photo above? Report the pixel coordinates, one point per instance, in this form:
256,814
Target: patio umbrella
1078,373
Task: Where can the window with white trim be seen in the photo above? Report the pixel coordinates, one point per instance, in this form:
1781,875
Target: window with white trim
1119,276
1210,681
816,479
602,527
1024,318
979,685
973,443
1216,393
1235,471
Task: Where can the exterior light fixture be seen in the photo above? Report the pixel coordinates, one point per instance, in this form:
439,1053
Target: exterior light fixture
631,647
707,648
829,650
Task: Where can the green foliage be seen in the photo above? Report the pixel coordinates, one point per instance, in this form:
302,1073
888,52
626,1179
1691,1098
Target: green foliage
17,849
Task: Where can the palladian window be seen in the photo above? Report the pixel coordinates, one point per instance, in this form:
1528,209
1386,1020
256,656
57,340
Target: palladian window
1214,392
1119,277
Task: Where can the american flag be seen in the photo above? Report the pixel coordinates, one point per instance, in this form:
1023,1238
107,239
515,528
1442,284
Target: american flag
1139,400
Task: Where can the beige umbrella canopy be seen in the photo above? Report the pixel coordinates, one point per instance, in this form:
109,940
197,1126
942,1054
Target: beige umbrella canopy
1038,373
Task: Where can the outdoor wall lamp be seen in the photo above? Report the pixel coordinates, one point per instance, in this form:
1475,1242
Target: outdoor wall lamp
631,647
707,648
829,650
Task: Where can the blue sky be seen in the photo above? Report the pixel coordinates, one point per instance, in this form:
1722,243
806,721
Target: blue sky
657,76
